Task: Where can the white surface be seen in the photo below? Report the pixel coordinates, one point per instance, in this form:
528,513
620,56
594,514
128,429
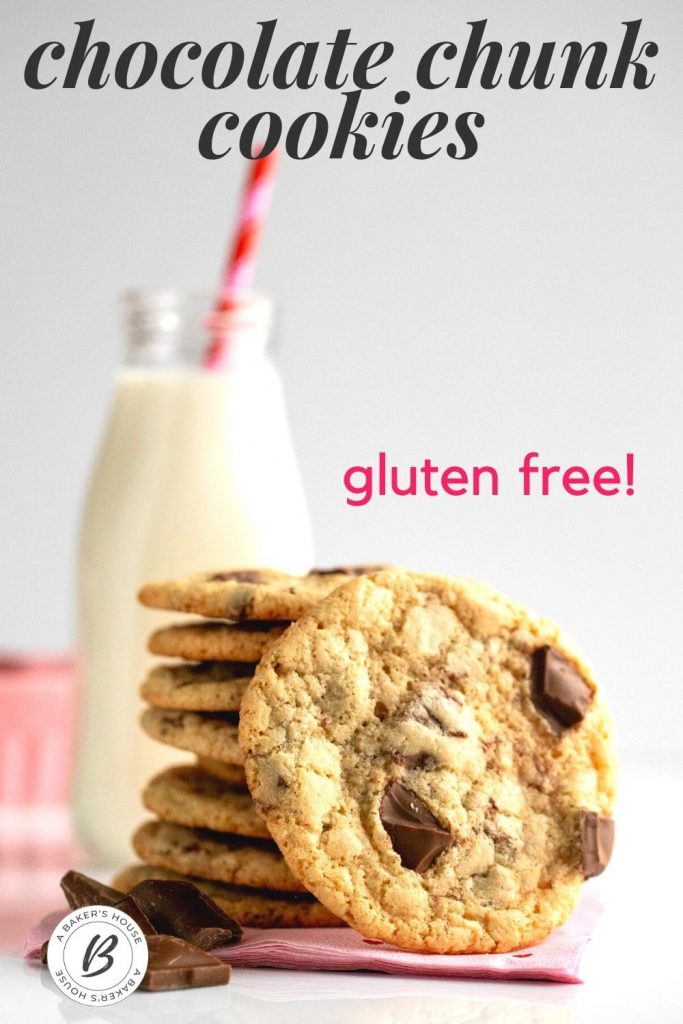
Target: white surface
527,298
632,967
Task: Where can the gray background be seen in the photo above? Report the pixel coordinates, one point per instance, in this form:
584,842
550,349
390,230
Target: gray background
525,299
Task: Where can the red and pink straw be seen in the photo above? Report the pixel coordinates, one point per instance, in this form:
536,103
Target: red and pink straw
240,266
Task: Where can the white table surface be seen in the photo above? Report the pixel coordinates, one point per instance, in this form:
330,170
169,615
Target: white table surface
633,967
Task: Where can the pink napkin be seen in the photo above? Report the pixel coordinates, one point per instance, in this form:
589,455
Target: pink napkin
342,949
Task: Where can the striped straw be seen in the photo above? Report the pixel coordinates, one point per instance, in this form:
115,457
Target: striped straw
240,266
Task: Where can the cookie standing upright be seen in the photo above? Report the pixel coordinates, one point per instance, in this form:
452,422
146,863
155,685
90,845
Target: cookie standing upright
434,762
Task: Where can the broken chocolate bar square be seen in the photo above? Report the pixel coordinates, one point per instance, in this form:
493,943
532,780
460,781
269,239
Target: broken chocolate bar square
180,909
174,963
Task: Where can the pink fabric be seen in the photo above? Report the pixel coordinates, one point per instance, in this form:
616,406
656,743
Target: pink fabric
342,949
36,730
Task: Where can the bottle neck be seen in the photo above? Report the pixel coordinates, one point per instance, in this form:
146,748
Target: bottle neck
175,330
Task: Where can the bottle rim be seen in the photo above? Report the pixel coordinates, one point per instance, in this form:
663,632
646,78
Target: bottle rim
165,309
168,327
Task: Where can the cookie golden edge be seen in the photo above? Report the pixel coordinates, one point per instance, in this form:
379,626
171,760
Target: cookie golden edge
236,860
189,795
252,908
190,686
239,595
214,641
204,734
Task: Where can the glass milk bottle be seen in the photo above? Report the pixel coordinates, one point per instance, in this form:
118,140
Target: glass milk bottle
196,472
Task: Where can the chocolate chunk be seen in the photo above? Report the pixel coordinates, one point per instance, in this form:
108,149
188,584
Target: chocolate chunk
237,576
129,905
255,626
81,891
381,710
174,963
415,833
559,692
431,708
180,909
597,841
420,760
347,570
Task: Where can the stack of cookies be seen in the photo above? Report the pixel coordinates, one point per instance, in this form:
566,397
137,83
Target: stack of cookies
429,761
206,825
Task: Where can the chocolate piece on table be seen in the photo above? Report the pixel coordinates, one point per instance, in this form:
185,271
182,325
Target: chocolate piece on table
597,842
180,909
129,905
415,833
81,891
174,963
559,692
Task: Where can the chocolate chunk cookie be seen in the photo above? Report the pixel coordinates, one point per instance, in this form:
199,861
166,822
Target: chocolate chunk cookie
225,858
208,686
204,734
216,641
187,795
434,762
252,908
239,594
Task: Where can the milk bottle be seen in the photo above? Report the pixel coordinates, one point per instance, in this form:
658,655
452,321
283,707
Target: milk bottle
196,471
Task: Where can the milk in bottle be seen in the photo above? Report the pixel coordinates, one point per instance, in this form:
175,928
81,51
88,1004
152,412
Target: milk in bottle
196,471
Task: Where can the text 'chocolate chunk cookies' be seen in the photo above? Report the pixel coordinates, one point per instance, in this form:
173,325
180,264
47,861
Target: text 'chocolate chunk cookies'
415,833
394,747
